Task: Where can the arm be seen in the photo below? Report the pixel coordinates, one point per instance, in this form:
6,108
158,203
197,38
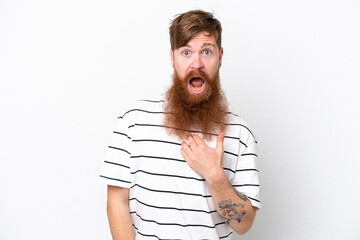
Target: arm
119,213
230,204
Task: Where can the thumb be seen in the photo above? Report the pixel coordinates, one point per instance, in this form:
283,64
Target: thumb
220,142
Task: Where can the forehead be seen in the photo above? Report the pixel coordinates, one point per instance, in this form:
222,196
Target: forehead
201,39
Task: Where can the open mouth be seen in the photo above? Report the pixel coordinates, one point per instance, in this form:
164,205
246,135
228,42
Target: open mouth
197,85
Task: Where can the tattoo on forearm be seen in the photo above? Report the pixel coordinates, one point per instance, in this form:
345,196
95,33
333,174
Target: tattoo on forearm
240,195
230,212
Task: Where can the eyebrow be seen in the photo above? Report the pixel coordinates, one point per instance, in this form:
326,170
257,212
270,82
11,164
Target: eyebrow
208,44
204,45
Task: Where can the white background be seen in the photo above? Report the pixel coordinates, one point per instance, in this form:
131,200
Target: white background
290,68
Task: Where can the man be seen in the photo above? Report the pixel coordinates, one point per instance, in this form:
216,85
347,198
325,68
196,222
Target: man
183,167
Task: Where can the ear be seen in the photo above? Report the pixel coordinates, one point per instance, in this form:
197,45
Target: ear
172,57
221,55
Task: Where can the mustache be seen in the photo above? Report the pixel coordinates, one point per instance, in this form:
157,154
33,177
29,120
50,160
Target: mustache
197,73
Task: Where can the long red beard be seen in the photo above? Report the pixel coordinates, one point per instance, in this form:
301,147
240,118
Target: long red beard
205,112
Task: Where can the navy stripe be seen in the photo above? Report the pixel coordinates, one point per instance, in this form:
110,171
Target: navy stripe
250,169
179,144
183,161
118,164
148,125
226,235
253,199
153,140
153,101
168,175
247,154
119,149
229,169
154,125
176,224
114,179
164,191
172,208
231,153
175,143
164,158
237,124
242,143
122,134
236,139
140,110
247,185
233,114
146,235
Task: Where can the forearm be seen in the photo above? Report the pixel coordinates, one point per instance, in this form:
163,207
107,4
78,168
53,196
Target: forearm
233,206
119,218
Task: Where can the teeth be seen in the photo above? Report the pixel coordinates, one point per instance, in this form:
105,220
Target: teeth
196,89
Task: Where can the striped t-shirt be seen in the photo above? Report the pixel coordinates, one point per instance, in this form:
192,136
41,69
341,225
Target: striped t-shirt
168,200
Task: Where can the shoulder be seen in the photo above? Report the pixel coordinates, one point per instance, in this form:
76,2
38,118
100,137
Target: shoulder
143,105
237,125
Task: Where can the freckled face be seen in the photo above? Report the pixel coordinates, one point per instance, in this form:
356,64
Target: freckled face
200,54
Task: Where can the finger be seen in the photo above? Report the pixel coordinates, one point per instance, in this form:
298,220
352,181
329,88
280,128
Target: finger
185,146
198,140
220,142
191,141
187,149
187,153
185,156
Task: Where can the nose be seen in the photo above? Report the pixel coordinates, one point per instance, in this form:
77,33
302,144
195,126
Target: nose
197,62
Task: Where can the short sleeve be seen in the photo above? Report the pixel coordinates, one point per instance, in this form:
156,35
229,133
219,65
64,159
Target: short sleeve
116,167
246,178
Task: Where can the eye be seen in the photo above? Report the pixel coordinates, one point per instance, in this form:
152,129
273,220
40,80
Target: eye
186,53
207,52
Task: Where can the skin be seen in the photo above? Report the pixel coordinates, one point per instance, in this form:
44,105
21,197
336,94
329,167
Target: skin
200,53
119,213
